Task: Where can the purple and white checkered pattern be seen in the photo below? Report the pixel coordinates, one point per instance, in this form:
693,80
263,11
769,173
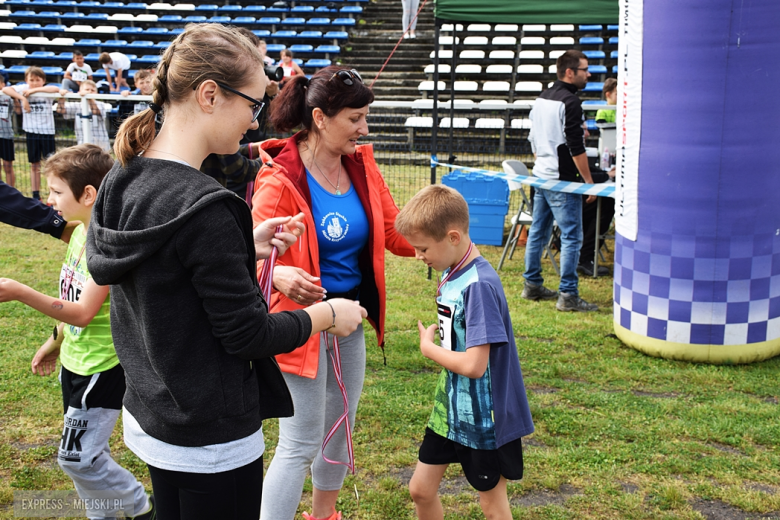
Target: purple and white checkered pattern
699,290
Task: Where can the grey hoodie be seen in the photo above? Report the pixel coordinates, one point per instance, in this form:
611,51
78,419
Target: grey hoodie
190,326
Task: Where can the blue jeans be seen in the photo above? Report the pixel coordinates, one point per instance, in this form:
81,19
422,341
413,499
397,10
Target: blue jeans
566,210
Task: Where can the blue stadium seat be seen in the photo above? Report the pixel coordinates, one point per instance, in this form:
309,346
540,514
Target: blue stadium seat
317,63
177,31
72,15
301,49
597,69
207,7
49,14
591,40
275,47
170,18
343,21
194,19
219,19
140,44
53,71
64,3
613,54
590,28
261,33
89,3
229,8
97,16
594,55
322,21
113,5
311,35
17,69
614,69
593,102
351,9
23,14
294,21
325,9
244,20
156,30
613,27
277,9
284,34
92,56
593,86
88,42
115,44
613,40
130,30
336,35
139,6
64,56
162,45
99,74
54,27
268,20
254,8
41,55
150,59
28,27
302,9
327,49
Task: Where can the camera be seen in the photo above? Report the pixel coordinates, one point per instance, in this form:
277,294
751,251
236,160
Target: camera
273,72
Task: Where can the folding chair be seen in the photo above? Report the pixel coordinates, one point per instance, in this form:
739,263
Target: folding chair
524,212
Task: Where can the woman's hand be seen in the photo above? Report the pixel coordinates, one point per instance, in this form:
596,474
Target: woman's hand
266,237
45,360
349,314
297,285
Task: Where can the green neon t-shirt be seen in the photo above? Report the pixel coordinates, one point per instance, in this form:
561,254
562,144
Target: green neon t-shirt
608,116
88,350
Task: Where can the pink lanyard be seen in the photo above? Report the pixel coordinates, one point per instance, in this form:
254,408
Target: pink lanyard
335,356
454,269
266,273
69,275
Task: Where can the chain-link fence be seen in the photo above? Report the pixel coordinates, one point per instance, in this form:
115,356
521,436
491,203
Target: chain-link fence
480,135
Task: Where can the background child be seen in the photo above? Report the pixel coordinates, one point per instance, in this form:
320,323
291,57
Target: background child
610,94
76,73
119,63
288,65
93,382
480,409
144,82
7,134
72,110
37,121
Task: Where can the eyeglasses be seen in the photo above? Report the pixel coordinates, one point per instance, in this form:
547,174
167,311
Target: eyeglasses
257,107
579,68
347,75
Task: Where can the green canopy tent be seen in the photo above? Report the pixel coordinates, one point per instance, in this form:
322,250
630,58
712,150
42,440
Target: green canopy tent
507,11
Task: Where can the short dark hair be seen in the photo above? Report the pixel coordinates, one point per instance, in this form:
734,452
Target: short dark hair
569,60
77,52
300,96
80,166
610,84
35,71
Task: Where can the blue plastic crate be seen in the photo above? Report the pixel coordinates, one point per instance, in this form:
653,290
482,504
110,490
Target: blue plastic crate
488,200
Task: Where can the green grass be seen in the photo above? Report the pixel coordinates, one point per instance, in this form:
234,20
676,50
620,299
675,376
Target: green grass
619,435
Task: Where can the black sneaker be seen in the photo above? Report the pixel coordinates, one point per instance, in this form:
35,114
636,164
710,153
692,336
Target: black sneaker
537,292
149,515
586,268
572,302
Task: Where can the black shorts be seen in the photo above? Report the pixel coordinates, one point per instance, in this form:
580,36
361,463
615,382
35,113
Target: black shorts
39,146
102,390
7,150
483,468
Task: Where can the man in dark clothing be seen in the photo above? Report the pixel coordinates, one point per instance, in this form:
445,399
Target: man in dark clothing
24,212
558,141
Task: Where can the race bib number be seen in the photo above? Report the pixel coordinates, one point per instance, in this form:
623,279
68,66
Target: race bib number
79,75
77,281
445,326
37,108
3,111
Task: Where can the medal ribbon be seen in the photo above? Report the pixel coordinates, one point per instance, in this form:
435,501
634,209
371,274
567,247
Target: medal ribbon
335,356
454,269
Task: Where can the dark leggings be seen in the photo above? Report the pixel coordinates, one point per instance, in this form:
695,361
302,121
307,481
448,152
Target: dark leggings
231,494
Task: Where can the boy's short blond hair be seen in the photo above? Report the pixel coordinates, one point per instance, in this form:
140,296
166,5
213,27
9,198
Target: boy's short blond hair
104,58
35,71
143,73
88,83
434,211
80,166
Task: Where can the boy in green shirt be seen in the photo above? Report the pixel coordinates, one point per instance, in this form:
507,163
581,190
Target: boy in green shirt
610,94
93,382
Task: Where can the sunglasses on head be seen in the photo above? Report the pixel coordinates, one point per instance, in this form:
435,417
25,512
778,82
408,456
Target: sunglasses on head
347,76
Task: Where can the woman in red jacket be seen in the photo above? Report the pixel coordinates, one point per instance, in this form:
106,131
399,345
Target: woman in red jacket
349,216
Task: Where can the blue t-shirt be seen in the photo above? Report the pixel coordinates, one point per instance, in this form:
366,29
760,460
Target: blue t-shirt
490,411
342,233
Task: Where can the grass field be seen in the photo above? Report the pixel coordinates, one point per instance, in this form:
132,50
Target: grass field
619,435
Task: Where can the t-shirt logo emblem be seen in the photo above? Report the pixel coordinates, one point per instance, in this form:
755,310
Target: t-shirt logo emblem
334,228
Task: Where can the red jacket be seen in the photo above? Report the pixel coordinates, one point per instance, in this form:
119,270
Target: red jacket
281,189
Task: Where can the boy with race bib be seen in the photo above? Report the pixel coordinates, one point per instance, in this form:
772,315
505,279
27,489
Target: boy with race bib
93,382
480,409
